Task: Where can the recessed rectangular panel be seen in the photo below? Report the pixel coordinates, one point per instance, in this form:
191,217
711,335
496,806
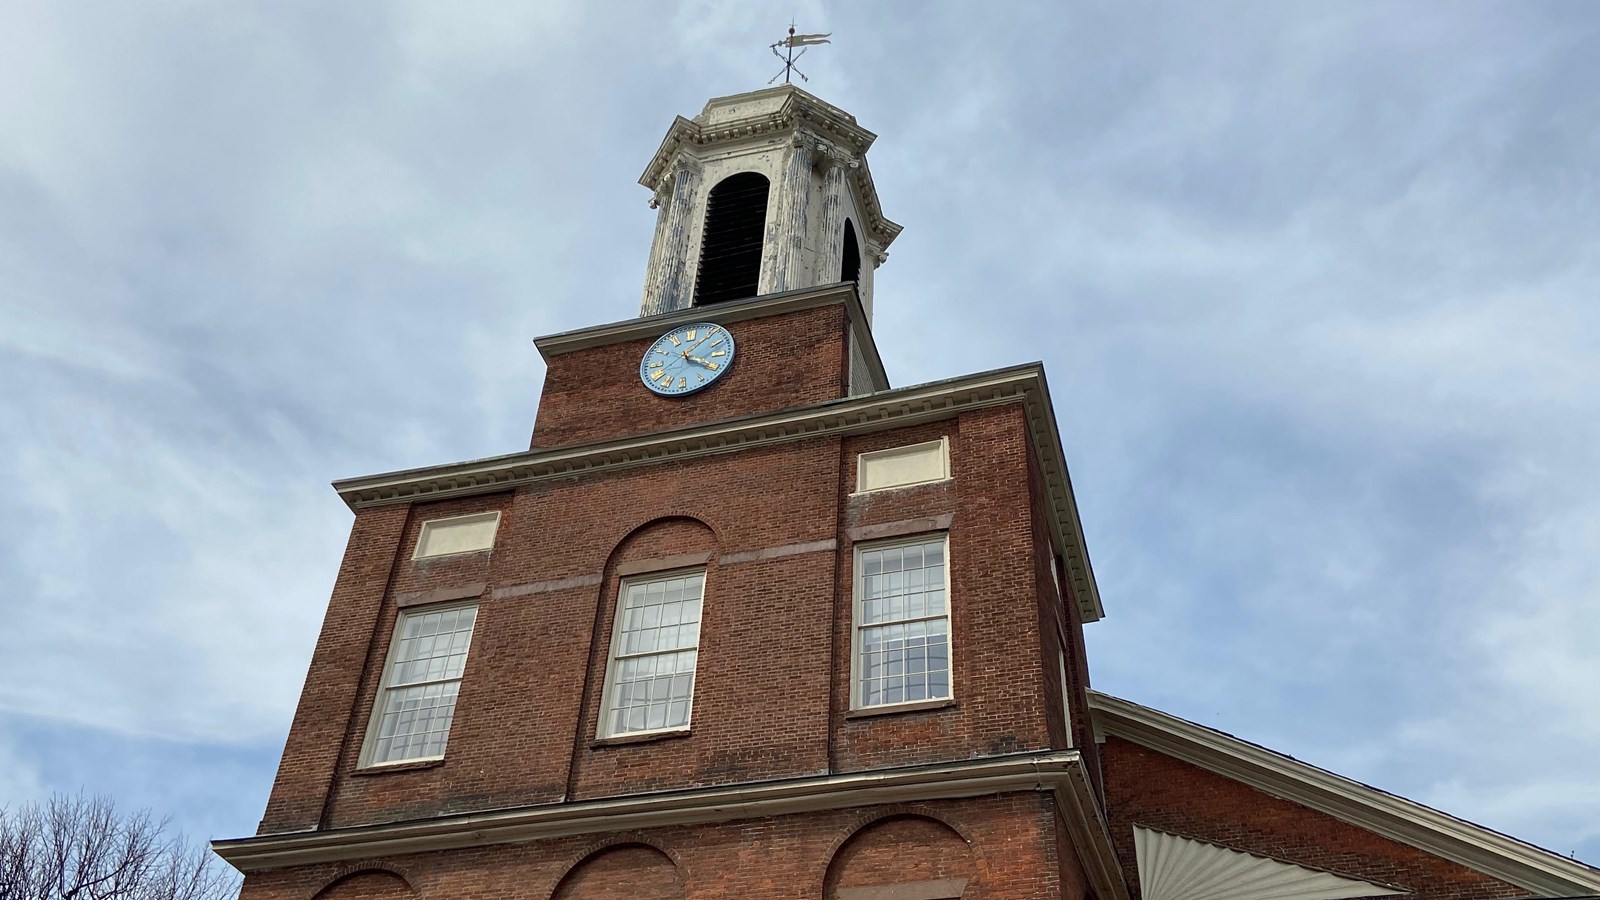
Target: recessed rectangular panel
902,466
460,534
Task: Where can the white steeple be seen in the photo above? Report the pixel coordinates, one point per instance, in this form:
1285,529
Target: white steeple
762,192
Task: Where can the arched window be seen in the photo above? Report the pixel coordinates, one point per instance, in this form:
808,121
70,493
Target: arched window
850,259
730,247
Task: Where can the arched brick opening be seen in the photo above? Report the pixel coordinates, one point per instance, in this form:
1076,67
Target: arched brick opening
663,537
631,871
368,885
923,858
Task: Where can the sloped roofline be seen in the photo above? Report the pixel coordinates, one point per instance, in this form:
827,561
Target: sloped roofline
1482,849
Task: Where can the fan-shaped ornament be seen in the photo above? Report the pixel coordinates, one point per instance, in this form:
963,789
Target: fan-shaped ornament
1179,868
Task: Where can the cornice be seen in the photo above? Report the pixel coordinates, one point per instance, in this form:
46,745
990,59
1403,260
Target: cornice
1058,771
842,293
1474,846
800,111
938,400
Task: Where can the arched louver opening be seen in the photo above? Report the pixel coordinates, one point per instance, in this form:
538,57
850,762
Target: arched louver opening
850,261
730,249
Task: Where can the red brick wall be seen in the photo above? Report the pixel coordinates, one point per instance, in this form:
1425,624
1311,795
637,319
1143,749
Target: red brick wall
788,360
1154,790
367,886
635,871
900,849
773,683
997,678
323,717
1013,855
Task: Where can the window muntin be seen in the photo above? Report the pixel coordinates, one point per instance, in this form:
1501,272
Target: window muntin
457,534
902,623
879,470
654,648
411,720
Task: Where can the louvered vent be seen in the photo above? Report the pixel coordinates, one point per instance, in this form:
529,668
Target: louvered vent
850,262
730,250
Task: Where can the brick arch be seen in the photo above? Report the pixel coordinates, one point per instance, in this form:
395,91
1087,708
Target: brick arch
617,839
367,884
669,534
627,868
902,847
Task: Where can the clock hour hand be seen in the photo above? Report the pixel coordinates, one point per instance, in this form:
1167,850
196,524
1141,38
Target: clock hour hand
695,359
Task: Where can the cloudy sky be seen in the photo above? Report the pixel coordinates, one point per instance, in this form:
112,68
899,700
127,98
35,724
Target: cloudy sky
1315,285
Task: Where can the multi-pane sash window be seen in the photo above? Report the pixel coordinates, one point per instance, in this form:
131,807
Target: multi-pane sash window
420,683
902,644
650,686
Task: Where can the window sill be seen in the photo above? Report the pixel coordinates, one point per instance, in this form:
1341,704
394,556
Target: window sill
892,708
409,766
623,740
900,487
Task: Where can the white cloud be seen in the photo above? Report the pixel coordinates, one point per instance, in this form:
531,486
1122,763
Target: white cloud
1313,286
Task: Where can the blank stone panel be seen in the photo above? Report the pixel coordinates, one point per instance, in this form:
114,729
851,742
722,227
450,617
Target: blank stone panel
461,534
901,466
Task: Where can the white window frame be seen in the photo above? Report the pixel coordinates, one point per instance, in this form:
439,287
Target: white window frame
429,525
863,458
856,625
369,743
603,727
1066,693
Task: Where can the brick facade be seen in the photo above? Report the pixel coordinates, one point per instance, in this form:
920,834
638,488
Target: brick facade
782,361
1007,846
775,529
775,522
773,684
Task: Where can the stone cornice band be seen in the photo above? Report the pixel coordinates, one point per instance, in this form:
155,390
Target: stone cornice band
857,415
1058,771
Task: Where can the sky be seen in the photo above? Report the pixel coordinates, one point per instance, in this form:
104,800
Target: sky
1314,285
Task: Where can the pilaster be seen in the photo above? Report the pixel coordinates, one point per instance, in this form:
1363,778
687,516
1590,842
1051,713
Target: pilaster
784,258
668,280
836,166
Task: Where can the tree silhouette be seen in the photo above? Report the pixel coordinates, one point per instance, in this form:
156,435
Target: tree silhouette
80,848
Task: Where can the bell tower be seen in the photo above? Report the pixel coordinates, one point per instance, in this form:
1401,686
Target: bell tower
761,193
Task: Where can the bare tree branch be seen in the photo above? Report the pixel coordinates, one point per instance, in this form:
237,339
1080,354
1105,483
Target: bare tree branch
80,848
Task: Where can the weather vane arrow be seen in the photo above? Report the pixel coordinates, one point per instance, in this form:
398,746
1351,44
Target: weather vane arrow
803,41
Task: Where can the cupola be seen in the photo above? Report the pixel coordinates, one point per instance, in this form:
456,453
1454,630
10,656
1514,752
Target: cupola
762,192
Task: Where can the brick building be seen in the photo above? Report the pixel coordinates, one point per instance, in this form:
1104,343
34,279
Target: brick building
745,621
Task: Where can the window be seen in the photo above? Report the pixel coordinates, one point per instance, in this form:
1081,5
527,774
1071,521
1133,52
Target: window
850,254
458,534
902,466
902,623
730,243
411,719
650,682
1066,694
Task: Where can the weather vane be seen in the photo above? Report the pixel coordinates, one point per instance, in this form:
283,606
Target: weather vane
803,41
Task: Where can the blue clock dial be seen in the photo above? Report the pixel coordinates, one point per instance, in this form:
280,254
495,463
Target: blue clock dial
687,359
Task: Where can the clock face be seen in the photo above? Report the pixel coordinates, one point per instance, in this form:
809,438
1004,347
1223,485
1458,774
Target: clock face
686,359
